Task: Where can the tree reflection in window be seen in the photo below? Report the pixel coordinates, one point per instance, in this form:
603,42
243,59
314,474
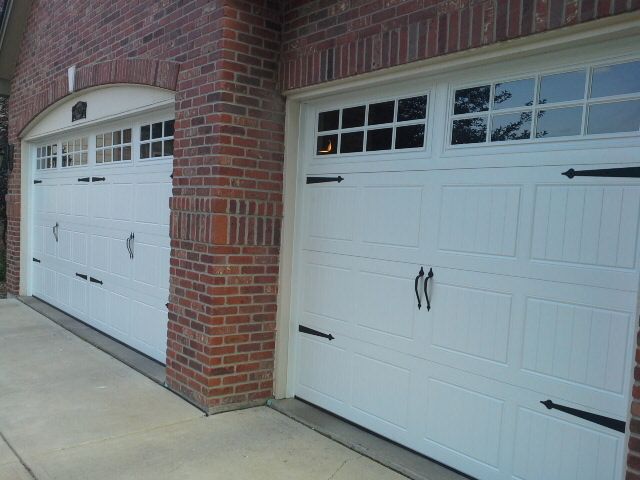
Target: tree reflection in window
513,126
469,130
470,100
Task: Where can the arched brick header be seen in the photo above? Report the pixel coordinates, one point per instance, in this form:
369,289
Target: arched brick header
140,71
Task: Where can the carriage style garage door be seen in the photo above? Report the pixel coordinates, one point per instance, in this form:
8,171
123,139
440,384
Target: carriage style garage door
459,261
101,227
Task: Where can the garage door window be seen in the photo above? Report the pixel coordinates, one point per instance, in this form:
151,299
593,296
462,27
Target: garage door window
156,140
113,146
596,100
378,126
75,152
47,157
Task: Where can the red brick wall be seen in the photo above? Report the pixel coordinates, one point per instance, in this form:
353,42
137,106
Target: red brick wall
226,205
327,40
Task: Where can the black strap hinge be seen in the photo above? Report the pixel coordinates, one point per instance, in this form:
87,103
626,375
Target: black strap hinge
624,172
98,179
95,280
311,180
36,260
36,182
81,275
311,331
612,423
84,179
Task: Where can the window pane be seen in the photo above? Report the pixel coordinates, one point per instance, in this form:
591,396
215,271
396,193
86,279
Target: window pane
107,140
49,150
144,150
126,134
54,149
64,160
352,142
169,128
77,145
54,162
99,141
85,143
328,120
145,132
379,139
381,113
470,100
469,130
411,136
156,130
353,117
156,149
414,108
168,147
614,117
559,122
99,156
107,155
514,94
616,80
117,154
85,158
327,145
562,87
513,126
126,153
117,138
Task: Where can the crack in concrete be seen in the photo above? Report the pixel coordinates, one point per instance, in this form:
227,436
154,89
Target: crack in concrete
20,459
339,468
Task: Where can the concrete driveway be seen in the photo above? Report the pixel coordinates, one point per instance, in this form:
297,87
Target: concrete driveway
70,411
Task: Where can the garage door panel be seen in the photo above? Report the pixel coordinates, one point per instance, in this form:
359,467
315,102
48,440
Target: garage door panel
122,198
149,328
479,219
481,415
100,200
328,291
334,213
587,225
379,209
576,343
325,372
472,322
151,204
548,447
80,199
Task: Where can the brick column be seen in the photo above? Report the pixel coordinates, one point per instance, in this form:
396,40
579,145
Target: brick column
226,212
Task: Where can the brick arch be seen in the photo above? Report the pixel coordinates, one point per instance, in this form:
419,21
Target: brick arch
138,71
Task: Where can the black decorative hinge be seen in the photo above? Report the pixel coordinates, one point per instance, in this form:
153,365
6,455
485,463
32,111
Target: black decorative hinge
36,260
81,275
97,179
95,280
323,179
311,331
612,423
624,172
79,111
84,179
37,182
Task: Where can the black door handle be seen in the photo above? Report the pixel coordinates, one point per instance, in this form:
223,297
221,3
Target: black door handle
426,294
55,231
415,286
130,244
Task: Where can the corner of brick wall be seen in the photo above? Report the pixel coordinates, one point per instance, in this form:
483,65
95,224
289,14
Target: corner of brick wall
226,213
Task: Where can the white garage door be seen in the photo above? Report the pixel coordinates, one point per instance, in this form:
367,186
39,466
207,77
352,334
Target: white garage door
101,228
534,290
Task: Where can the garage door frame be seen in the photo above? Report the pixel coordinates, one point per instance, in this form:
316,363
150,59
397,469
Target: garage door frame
591,37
